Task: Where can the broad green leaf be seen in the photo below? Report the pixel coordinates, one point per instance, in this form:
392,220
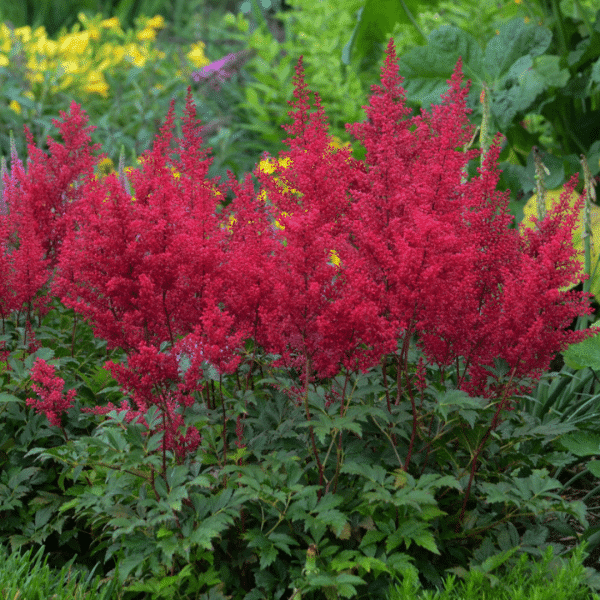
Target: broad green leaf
426,69
594,467
515,40
584,354
376,21
516,92
548,67
581,443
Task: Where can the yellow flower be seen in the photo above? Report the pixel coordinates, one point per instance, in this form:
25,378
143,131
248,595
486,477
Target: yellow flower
15,106
5,36
196,55
111,23
146,34
75,43
136,55
96,84
336,143
335,258
106,166
278,224
156,22
267,166
3,60
232,221
68,66
24,33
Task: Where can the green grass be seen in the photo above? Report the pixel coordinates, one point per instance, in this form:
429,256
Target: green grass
544,579
27,576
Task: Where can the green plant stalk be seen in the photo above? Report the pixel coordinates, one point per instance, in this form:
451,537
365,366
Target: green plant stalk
540,168
590,194
558,17
475,460
311,430
484,141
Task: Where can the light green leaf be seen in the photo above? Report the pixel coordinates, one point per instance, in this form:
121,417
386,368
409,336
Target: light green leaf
426,69
515,40
584,354
581,443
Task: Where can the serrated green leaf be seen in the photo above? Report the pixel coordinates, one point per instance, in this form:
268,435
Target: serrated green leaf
493,562
6,397
515,39
581,443
594,467
426,69
584,354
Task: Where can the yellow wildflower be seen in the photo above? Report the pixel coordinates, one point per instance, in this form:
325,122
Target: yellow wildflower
267,166
335,258
106,166
146,34
156,22
5,36
15,106
136,54
75,43
96,84
23,33
196,55
111,23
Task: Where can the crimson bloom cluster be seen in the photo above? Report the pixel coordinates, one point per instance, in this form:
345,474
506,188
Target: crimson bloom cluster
181,279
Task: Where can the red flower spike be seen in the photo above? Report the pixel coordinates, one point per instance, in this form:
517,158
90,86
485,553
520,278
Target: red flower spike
49,387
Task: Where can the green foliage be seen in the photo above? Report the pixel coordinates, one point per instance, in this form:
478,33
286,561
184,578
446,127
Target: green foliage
265,520
540,73
543,580
28,576
373,28
30,497
55,15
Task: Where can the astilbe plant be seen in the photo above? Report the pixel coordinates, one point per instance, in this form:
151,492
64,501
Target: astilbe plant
161,269
425,254
314,317
35,206
52,400
148,272
445,263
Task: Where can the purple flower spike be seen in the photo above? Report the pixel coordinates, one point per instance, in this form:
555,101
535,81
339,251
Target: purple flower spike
221,70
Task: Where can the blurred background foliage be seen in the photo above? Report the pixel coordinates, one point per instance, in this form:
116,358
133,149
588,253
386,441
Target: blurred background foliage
545,92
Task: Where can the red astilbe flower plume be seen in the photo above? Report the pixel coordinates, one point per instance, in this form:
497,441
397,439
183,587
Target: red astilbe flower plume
308,194
149,272
52,401
53,181
144,269
439,249
151,378
23,268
